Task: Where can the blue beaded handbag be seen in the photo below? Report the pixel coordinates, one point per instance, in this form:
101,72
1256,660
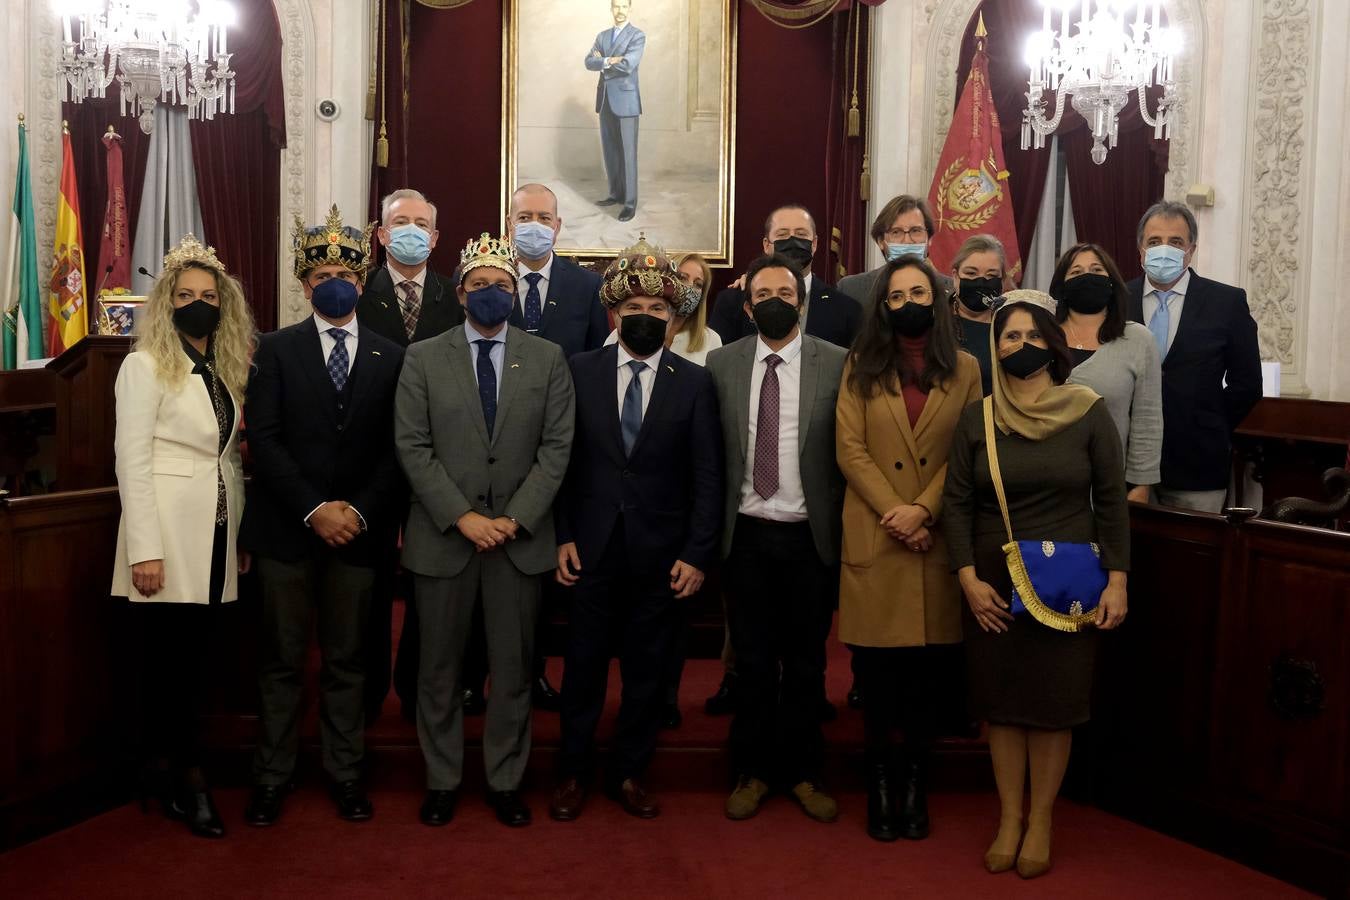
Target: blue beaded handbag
1057,583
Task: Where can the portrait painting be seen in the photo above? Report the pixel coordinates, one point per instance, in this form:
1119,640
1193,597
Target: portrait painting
625,108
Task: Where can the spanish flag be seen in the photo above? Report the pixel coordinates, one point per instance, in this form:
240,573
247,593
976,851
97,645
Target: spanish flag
67,292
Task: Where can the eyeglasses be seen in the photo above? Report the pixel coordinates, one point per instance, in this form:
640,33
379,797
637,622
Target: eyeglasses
909,235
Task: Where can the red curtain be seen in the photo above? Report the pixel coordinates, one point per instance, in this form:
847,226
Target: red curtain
88,122
843,224
238,162
393,108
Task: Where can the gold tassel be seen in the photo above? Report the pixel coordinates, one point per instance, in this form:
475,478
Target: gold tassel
382,149
865,179
854,118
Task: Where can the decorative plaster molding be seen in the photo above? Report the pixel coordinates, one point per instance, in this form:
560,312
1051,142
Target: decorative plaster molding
297,170
43,121
1276,187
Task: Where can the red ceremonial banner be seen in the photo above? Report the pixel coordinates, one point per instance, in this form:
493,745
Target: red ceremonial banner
970,191
114,255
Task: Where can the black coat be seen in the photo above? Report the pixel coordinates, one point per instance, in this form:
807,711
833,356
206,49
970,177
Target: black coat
1215,340
306,450
380,308
572,315
831,315
669,491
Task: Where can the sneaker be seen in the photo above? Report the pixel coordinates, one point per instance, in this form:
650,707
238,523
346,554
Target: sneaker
816,803
745,800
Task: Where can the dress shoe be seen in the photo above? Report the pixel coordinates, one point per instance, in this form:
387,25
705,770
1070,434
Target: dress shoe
1002,854
438,808
1039,837
264,804
745,799
510,808
635,800
198,811
816,803
544,696
914,801
608,201
671,717
881,819
567,800
628,213
474,702
855,698
826,712
352,802
723,702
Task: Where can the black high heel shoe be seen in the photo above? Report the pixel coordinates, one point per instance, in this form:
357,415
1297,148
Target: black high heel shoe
197,810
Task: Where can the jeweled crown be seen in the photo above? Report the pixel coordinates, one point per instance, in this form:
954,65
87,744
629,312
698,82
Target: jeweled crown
1029,297
646,270
331,243
486,250
191,250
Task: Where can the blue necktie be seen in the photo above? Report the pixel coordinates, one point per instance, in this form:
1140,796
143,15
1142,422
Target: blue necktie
630,419
487,383
1160,324
337,360
534,307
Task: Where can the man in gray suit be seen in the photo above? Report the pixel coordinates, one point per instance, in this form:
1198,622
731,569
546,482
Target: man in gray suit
615,55
784,497
902,228
483,423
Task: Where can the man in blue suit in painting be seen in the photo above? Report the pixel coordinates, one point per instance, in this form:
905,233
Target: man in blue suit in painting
615,55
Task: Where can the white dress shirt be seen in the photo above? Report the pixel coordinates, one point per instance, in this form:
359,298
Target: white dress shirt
496,353
1174,305
327,343
647,374
788,504
523,286
420,279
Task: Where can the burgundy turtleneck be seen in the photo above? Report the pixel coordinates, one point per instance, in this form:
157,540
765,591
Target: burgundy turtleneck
915,397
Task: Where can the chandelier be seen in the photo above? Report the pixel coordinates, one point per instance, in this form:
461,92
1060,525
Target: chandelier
1099,60
158,50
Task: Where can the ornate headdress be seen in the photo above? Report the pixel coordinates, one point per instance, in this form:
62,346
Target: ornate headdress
191,250
331,244
486,250
645,270
1030,298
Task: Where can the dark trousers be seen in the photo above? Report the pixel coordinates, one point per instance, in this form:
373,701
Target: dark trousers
615,598
619,146
779,609
338,597
901,686
175,642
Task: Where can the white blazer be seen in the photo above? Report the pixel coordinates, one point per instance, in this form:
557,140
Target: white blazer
166,475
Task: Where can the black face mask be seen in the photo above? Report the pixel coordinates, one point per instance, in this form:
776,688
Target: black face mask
978,293
796,249
1088,294
198,319
1026,361
911,320
642,334
774,318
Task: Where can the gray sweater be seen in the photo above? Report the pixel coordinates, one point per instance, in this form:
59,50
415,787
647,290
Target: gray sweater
1127,373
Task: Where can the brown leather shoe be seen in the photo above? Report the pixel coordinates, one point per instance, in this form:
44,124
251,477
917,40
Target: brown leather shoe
568,799
635,800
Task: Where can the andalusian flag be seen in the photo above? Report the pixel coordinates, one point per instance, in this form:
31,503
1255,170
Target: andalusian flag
67,292
21,299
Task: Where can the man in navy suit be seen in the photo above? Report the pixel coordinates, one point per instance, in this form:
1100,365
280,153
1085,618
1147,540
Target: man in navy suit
616,54
637,524
1211,359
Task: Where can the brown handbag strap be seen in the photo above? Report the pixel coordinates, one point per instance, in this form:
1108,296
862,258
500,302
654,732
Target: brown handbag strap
993,464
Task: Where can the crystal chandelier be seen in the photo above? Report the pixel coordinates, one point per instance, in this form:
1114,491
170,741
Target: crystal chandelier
1099,60
158,50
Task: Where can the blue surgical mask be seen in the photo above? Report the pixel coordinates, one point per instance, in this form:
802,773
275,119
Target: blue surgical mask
1164,263
491,305
409,244
533,240
334,298
905,251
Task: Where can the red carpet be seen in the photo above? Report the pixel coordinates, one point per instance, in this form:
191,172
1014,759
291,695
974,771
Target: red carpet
691,851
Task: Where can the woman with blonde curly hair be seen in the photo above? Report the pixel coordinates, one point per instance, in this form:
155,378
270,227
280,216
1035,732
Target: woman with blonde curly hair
179,477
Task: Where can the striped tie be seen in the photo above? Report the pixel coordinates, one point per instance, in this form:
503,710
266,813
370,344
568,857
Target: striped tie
411,306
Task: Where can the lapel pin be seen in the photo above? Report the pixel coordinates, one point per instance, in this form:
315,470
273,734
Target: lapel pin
515,365
385,305
553,303
670,369
376,352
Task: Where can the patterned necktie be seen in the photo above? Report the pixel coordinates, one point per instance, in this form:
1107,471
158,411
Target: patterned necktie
534,307
630,419
487,383
766,431
337,360
412,307
1161,322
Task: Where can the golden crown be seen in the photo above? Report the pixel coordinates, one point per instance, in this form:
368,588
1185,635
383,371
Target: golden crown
646,270
331,244
1029,297
191,250
486,250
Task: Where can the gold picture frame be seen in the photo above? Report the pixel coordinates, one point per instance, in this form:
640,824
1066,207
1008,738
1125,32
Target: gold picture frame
685,135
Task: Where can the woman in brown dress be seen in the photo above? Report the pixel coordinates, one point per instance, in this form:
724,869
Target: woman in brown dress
1062,471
